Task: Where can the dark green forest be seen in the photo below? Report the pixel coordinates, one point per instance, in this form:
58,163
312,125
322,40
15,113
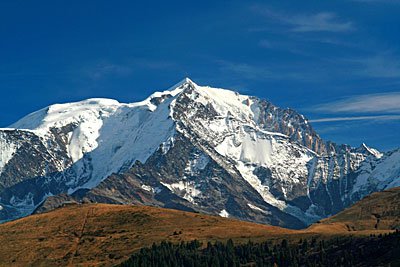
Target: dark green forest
375,250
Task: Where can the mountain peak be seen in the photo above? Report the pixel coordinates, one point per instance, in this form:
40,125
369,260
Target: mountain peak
182,82
369,150
187,80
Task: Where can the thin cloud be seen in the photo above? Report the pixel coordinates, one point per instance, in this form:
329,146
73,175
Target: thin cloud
318,22
382,103
265,44
104,69
375,118
384,65
257,72
19,74
378,1
245,70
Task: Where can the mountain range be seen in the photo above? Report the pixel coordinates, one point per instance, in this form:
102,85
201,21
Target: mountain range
192,148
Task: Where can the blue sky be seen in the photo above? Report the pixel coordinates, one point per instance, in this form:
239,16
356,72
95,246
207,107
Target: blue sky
337,62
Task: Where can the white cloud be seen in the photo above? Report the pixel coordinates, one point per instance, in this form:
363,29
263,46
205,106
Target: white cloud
318,22
381,103
372,118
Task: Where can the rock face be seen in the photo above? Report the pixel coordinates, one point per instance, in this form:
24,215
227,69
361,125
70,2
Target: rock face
190,148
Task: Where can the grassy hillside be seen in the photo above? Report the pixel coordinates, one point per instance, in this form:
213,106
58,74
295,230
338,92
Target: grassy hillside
378,211
101,234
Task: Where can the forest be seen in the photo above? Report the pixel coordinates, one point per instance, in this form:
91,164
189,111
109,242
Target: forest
374,250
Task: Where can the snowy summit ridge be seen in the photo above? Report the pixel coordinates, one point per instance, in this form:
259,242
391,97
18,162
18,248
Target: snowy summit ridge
190,147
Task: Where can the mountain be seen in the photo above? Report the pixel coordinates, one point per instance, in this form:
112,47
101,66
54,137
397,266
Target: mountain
191,148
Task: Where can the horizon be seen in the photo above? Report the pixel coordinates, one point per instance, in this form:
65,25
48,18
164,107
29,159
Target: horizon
335,63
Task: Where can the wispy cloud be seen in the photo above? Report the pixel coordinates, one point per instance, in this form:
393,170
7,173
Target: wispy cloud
318,22
157,65
104,69
261,72
381,103
355,118
245,70
265,43
382,65
378,1
332,41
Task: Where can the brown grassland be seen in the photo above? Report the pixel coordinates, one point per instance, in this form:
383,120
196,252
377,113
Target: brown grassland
103,235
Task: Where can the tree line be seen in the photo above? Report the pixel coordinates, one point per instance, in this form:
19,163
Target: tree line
375,250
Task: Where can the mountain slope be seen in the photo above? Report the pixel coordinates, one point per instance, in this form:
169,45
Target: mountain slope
105,234
192,148
63,147
380,211
100,234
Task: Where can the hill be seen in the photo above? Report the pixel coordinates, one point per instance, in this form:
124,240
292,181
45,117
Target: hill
92,234
378,211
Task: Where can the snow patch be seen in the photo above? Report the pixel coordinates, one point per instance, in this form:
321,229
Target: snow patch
167,145
373,151
7,151
247,173
224,213
147,188
246,148
185,189
226,101
257,208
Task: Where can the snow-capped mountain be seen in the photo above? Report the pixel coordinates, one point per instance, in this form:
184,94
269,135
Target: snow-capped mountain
190,147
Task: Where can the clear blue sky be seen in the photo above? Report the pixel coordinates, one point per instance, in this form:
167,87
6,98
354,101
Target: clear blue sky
327,59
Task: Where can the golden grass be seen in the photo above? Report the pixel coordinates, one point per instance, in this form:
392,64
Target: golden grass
103,235
100,234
